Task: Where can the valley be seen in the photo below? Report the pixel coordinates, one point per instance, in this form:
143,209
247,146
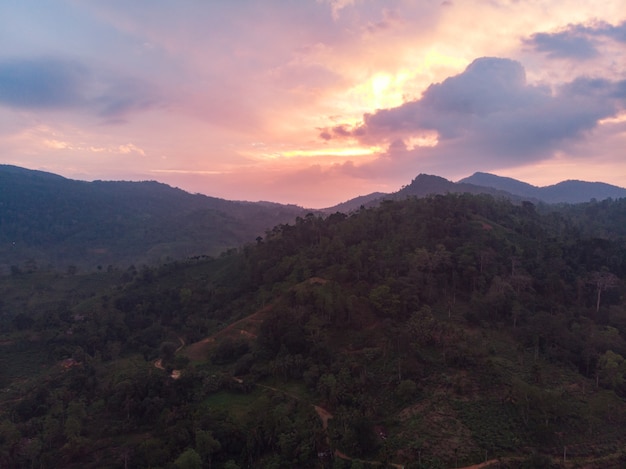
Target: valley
456,330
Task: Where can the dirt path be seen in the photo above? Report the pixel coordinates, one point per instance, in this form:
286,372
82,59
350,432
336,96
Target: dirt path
482,465
198,350
159,363
324,415
236,324
182,343
343,456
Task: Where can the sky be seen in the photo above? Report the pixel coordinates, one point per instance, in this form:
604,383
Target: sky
313,102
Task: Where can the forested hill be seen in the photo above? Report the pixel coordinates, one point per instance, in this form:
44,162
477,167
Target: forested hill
570,191
566,192
49,221
428,333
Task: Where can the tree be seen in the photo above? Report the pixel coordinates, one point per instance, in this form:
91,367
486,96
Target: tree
406,390
167,350
602,281
75,415
189,459
207,445
327,387
231,464
611,369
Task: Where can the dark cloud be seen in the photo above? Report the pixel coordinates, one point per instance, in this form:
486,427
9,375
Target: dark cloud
123,97
565,44
325,135
599,88
487,86
576,41
342,130
617,33
56,84
489,114
41,83
620,90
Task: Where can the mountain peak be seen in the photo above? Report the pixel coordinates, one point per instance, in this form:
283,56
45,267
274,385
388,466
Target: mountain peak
501,183
570,191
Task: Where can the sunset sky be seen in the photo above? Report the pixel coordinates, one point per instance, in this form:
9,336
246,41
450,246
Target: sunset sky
313,102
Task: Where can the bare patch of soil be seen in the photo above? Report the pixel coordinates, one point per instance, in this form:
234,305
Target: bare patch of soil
246,328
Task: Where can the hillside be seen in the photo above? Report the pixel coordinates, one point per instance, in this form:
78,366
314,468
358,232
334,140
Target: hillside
430,332
423,185
51,222
572,192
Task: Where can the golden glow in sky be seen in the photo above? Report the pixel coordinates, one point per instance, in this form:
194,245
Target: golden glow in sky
318,101
339,152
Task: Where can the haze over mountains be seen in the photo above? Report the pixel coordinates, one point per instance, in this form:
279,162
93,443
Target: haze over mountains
50,221
60,222
570,192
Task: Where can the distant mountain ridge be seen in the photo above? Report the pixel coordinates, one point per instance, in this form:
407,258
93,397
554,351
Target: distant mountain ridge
48,220
570,192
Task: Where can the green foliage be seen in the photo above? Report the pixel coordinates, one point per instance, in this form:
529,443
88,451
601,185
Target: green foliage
611,369
71,225
434,331
406,390
189,459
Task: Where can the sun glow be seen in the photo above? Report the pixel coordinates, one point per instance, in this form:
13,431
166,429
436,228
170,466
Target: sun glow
426,140
613,120
372,90
187,171
376,92
435,58
380,84
339,152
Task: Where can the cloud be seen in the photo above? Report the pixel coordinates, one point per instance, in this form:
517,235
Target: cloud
565,44
487,86
390,18
123,96
337,5
130,148
577,41
41,83
617,33
57,84
304,76
487,115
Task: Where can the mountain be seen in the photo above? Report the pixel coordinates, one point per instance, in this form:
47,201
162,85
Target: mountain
422,186
574,192
50,221
355,203
571,192
432,332
510,185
